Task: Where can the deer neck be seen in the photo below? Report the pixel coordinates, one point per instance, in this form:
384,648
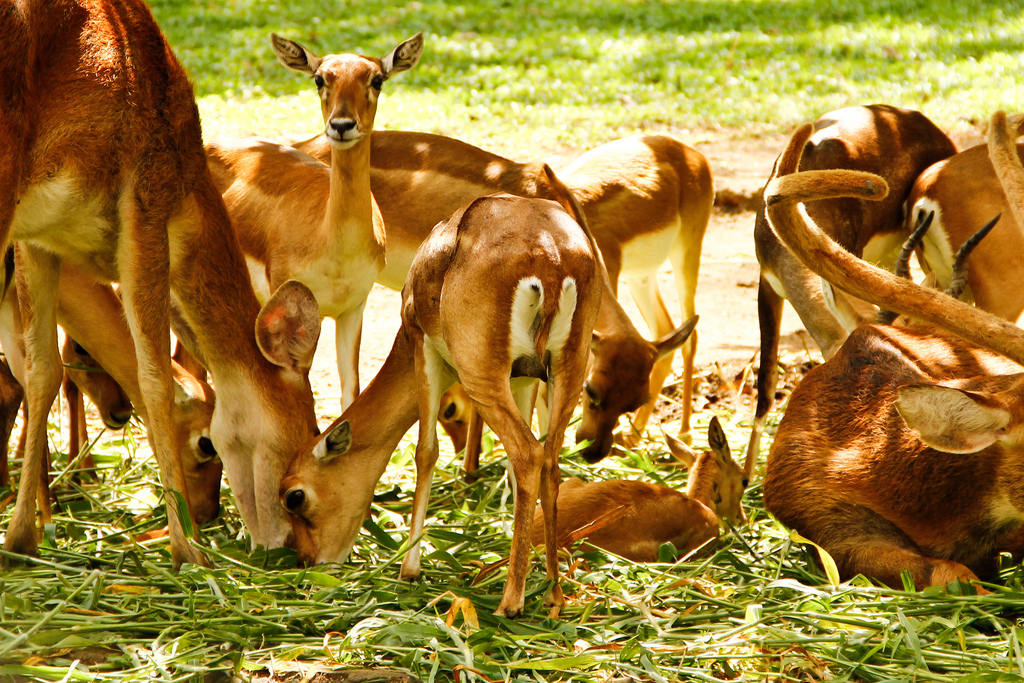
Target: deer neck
350,217
701,485
383,412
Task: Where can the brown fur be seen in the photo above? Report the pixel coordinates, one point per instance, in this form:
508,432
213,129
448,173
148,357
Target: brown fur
966,193
856,467
476,260
897,144
634,519
106,170
629,189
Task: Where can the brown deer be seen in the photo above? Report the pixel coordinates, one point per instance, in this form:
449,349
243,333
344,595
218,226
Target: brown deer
964,192
506,287
104,168
297,220
901,453
633,519
897,144
647,199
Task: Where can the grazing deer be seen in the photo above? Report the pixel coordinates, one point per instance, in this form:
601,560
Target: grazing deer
895,143
647,199
131,199
901,453
633,519
297,220
506,287
963,192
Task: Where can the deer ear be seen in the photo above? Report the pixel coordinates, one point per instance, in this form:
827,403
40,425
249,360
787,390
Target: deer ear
403,57
288,327
678,447
717,441
952,420
337,442
294,56
676,338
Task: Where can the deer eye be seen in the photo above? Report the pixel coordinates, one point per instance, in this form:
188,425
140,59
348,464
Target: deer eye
377,83
79,349
206,446
318,80
294,500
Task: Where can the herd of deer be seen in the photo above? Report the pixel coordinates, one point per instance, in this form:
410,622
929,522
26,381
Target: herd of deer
900,453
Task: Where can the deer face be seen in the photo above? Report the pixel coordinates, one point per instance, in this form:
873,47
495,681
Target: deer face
348,84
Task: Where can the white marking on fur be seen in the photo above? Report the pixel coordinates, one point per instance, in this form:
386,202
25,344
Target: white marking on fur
938,252
562,324
527,304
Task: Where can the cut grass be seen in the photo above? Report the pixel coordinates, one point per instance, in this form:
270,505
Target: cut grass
100,606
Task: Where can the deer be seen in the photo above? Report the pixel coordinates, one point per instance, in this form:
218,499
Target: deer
507,287
897,144
93,317
297,220
647,199
633,519
132,201
901,452
963,191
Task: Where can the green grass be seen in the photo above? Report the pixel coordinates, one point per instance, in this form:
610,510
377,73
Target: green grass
525,77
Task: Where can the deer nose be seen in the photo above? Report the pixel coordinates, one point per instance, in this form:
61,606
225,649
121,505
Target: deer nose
343,129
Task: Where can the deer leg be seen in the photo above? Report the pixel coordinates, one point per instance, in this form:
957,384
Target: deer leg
145,287
432,380
11,396
474,443
348,329
769,319
649,301
38,274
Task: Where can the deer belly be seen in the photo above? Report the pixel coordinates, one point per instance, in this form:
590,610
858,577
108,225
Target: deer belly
645,253
59,215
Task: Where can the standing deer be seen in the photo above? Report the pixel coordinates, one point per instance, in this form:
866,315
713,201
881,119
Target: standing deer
104,168
647,199
897,144
297,220
506,287
963,192
634,519
901,453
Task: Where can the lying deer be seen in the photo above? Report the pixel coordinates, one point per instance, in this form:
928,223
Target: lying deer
132,200
633,519
895,143
963,192
901,452
506,287
647,198
297,220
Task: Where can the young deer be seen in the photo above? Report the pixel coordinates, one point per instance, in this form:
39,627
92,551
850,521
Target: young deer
633,519
963,192
297,220
506,287
132,200
647,198
901,452
895,143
